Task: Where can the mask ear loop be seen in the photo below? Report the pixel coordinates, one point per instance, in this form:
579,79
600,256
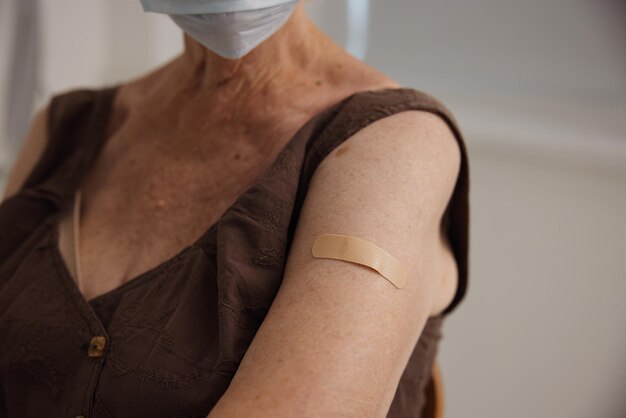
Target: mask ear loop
76,232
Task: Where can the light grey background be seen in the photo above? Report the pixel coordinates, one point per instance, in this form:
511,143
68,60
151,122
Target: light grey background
539,90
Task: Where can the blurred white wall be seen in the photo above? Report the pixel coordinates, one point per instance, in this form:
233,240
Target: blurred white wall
116,41
539,90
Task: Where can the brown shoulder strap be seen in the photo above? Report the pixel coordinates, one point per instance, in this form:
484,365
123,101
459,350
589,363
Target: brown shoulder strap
76,127
77,122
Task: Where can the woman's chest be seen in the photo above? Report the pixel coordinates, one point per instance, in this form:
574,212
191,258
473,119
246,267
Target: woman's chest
143,203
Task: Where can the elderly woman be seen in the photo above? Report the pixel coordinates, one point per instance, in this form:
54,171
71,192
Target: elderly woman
156,254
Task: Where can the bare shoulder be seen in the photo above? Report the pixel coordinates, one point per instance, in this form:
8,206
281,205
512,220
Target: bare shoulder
403,167
410,146
417,141
32,148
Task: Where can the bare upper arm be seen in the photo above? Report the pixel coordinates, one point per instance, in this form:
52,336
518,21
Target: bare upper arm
338,335
31,151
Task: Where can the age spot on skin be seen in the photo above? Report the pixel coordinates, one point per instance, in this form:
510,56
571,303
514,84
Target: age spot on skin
342,150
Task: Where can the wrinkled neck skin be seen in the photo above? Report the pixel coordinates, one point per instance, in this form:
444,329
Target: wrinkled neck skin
254,102
290,58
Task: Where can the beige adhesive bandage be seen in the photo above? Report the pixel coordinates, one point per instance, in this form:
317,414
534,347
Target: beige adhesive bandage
360,251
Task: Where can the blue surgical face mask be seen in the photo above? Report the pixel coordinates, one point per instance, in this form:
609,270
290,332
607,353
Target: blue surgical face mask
230,28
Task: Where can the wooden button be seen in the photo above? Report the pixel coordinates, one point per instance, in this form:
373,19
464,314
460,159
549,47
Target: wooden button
96,346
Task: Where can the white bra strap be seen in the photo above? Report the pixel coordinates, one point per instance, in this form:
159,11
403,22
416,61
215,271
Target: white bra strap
76,243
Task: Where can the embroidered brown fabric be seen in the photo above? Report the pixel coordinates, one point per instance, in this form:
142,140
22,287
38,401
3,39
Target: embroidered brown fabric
168,342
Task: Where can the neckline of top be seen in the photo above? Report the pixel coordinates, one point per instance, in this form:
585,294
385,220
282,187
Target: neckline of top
108,97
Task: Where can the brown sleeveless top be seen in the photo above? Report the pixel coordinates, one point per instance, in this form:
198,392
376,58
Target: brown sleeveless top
168,342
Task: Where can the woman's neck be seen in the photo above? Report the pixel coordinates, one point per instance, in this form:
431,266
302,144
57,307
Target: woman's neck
293,53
